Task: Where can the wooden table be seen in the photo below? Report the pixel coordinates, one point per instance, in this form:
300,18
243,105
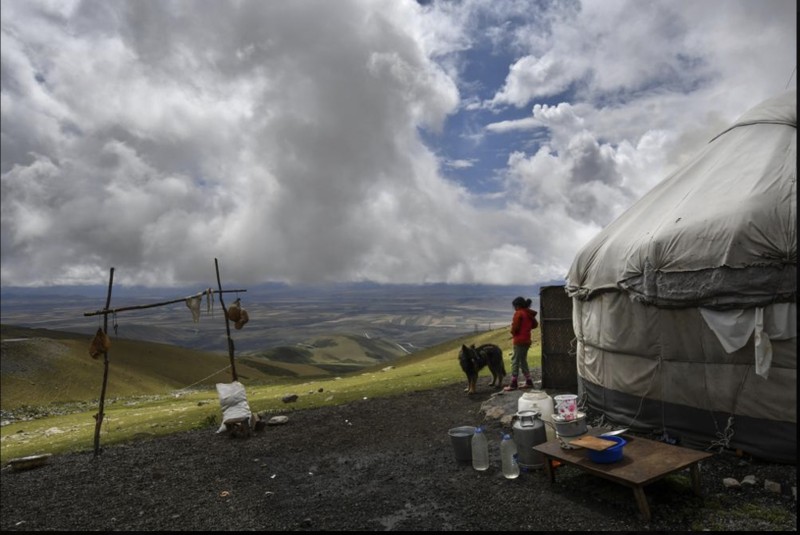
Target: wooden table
643,462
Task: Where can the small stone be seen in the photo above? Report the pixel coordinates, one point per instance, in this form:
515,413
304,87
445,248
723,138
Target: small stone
731,483
290,398
749,480
772,486
278,420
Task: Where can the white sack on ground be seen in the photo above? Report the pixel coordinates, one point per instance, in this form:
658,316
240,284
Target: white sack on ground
233,401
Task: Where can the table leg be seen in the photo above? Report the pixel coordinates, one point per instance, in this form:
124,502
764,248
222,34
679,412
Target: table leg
548,468
641,500
694,471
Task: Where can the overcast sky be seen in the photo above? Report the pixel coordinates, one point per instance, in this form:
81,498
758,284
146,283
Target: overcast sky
481,141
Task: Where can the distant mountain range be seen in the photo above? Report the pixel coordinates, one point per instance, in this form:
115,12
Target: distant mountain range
406,317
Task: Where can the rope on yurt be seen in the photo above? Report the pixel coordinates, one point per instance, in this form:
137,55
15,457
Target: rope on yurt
725,436
656,371
583,399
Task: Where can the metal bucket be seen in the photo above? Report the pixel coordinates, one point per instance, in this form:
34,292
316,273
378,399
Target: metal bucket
461,438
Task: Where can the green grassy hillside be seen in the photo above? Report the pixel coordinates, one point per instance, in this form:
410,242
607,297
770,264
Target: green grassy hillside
40,366
56,368
338,353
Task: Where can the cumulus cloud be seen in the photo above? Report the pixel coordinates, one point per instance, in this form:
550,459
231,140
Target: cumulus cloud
295,141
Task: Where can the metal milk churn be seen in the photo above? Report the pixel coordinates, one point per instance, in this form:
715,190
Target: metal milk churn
529,431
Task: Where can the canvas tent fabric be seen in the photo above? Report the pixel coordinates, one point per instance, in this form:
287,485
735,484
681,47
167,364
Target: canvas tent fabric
684,307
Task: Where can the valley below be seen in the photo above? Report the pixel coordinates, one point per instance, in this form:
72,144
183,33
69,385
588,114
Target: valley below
412,317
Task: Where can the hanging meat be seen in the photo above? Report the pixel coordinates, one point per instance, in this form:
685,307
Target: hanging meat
100,344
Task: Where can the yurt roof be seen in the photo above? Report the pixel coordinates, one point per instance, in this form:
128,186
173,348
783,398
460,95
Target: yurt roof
719,232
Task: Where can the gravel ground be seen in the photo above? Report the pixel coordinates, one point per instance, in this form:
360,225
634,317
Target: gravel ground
375,464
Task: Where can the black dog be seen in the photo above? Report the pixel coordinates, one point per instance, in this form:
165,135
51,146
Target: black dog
474,359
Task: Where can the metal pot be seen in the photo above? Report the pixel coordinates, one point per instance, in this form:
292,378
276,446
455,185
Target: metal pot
570,428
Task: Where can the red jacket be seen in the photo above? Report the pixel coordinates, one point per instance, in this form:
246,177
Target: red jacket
522,324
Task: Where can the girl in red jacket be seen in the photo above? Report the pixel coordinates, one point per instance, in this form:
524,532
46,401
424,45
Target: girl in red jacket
522,324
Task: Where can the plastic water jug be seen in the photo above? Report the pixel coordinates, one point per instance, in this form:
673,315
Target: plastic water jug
509,458
480,450
529,431
538,400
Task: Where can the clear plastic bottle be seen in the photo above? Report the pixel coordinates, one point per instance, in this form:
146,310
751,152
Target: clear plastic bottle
480,450
508,456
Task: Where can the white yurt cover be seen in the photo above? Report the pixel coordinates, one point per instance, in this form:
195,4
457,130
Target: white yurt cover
685,306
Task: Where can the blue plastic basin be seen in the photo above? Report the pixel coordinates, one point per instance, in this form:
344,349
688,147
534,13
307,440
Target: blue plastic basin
609,455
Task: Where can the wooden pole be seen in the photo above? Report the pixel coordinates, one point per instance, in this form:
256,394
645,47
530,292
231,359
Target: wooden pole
227,324
100,414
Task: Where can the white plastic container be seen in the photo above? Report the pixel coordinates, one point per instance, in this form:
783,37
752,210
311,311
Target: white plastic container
480,450
538,400
508,457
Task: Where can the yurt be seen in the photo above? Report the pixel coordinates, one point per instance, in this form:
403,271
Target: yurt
685,307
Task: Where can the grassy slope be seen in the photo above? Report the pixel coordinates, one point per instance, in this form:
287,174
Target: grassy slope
163,369
55,367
